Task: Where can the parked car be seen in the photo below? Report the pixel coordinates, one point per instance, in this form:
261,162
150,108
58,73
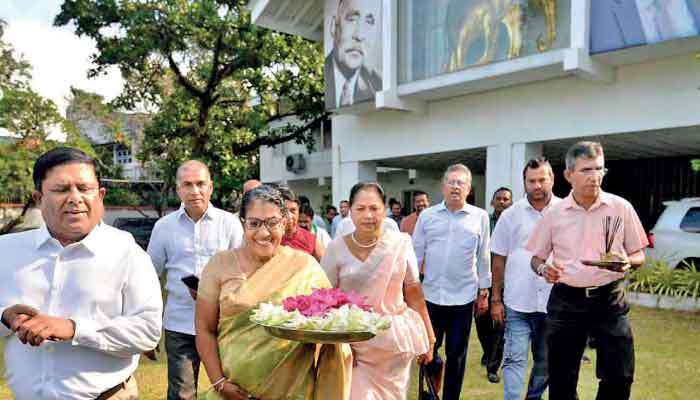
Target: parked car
675,239
140,228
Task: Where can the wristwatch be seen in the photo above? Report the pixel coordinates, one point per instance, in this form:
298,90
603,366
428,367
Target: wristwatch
541,268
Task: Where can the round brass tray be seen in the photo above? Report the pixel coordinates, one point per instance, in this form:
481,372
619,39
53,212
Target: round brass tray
325,337
609,265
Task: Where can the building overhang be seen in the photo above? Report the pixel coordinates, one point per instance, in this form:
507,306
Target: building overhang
306,18
296,17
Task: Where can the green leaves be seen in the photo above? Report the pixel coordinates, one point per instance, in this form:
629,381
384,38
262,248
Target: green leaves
656,277
214,81
695,164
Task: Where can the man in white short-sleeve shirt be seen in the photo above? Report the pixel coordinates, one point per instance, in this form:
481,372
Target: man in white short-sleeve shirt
524,293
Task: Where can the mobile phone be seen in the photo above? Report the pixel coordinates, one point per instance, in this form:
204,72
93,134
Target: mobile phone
191,282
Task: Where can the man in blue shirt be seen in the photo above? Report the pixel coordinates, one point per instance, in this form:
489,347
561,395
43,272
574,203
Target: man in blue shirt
452,239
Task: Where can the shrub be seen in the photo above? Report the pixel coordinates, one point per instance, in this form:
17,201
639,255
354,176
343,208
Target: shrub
656,277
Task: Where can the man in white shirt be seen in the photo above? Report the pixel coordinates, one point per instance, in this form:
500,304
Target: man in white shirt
306,221
317,219
79,296
452,238
344,208
181,245
526,294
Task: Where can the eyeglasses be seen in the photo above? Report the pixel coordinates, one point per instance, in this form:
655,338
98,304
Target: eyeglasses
594,171
456,183
190,186
256,223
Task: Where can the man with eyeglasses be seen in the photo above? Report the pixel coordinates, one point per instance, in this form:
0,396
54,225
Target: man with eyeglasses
451,239
588,300
181,244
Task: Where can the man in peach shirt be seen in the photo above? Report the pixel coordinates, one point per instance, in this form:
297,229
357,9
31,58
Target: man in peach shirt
587,300
421,201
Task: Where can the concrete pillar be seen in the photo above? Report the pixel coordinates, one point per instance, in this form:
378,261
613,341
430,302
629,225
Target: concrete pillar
504,167
347,174
521,154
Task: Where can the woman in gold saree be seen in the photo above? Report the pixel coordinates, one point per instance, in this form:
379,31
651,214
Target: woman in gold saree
241,359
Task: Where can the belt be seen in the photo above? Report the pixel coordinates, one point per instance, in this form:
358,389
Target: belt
113,390
588,292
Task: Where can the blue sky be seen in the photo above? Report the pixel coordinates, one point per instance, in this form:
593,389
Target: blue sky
60,59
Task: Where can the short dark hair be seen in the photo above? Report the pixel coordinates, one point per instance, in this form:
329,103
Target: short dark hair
306,209
331,207
535,163
304,200
344,201
60,156
367,186
288,194
264,193
420,193
501,189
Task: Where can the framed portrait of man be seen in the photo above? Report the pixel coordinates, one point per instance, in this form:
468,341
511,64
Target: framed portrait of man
617,24
352,44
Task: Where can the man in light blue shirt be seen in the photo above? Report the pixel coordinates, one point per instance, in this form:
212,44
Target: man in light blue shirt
181,244
452,238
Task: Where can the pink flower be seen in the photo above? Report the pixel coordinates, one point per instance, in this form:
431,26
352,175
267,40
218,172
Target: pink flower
320,301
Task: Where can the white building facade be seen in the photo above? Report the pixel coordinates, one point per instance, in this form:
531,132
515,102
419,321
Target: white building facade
446,97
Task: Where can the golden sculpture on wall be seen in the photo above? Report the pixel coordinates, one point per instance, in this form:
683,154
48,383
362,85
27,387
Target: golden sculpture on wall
483,19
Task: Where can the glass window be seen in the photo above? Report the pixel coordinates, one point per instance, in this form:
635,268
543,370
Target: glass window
123,155
327,134
691,221
443,36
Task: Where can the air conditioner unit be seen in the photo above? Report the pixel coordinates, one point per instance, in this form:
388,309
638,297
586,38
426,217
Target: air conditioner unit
295,163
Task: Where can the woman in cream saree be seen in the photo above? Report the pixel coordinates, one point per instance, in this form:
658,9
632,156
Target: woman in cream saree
242,360
381,266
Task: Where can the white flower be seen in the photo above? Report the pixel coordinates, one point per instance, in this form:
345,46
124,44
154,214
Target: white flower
343,319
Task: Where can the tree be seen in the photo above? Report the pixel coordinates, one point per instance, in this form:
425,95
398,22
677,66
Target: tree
14,71
217,82
29,119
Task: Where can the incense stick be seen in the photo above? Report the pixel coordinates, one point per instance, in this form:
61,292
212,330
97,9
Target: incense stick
611,225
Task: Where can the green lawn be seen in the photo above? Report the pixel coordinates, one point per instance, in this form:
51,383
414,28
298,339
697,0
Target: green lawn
668,354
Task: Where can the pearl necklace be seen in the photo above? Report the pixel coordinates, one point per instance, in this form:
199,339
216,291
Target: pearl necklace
364,246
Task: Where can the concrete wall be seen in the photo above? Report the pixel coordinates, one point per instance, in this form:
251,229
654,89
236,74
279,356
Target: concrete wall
318,195
396,182
661,94
656,95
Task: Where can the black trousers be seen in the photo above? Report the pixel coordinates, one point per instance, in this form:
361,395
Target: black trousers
574,314
183,365
491,339
453,324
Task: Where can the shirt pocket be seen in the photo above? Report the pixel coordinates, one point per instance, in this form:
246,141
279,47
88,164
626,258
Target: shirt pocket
564,228
214,241
466,236
437,229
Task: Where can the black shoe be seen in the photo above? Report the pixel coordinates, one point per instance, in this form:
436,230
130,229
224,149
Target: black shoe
493,377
